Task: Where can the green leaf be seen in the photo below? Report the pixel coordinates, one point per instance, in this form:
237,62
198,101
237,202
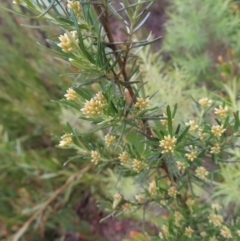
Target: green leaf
183,134
169,116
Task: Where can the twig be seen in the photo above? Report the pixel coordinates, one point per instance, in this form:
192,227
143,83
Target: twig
23,229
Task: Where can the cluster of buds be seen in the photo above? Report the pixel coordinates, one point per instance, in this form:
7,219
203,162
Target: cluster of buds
71,94
95,157
138,166
172,192
152,188
94,107
201,134
65,140
217,130
177,218
201,172
181,166
142,103
123,157
191,155
189,231
221,112
168,144
215,149
66,43
193,126
205,102
215,219
109,139
76,7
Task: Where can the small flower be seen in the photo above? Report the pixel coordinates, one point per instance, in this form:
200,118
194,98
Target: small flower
152,188
160,235
76,7
216,206
127,207
138,166
188,232
165,231
215,149
65,140
190,202
238,233
109,139
94,107
71,94
215,219
217,130
221,112
117,200
141,103
201,172
225,232
172,192
181,167
168,144
191,155
139,198
164,121
178,217
201,134
205,102
95,157
203,234
193,126
124,157
66,43
213,239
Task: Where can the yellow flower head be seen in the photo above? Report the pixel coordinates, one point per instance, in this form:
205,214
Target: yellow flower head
201,134
124,157
190,202
221,112
65,140
217,130
172,192
201,172
168,144
177,218
215,219
165,231
226,232
66,43
94,107
138,166
152,188
95,157
191,155
181,167
188,232
71,94
213,239
76,7
109,139
205,102
216,206
141,103
193,125
215,149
